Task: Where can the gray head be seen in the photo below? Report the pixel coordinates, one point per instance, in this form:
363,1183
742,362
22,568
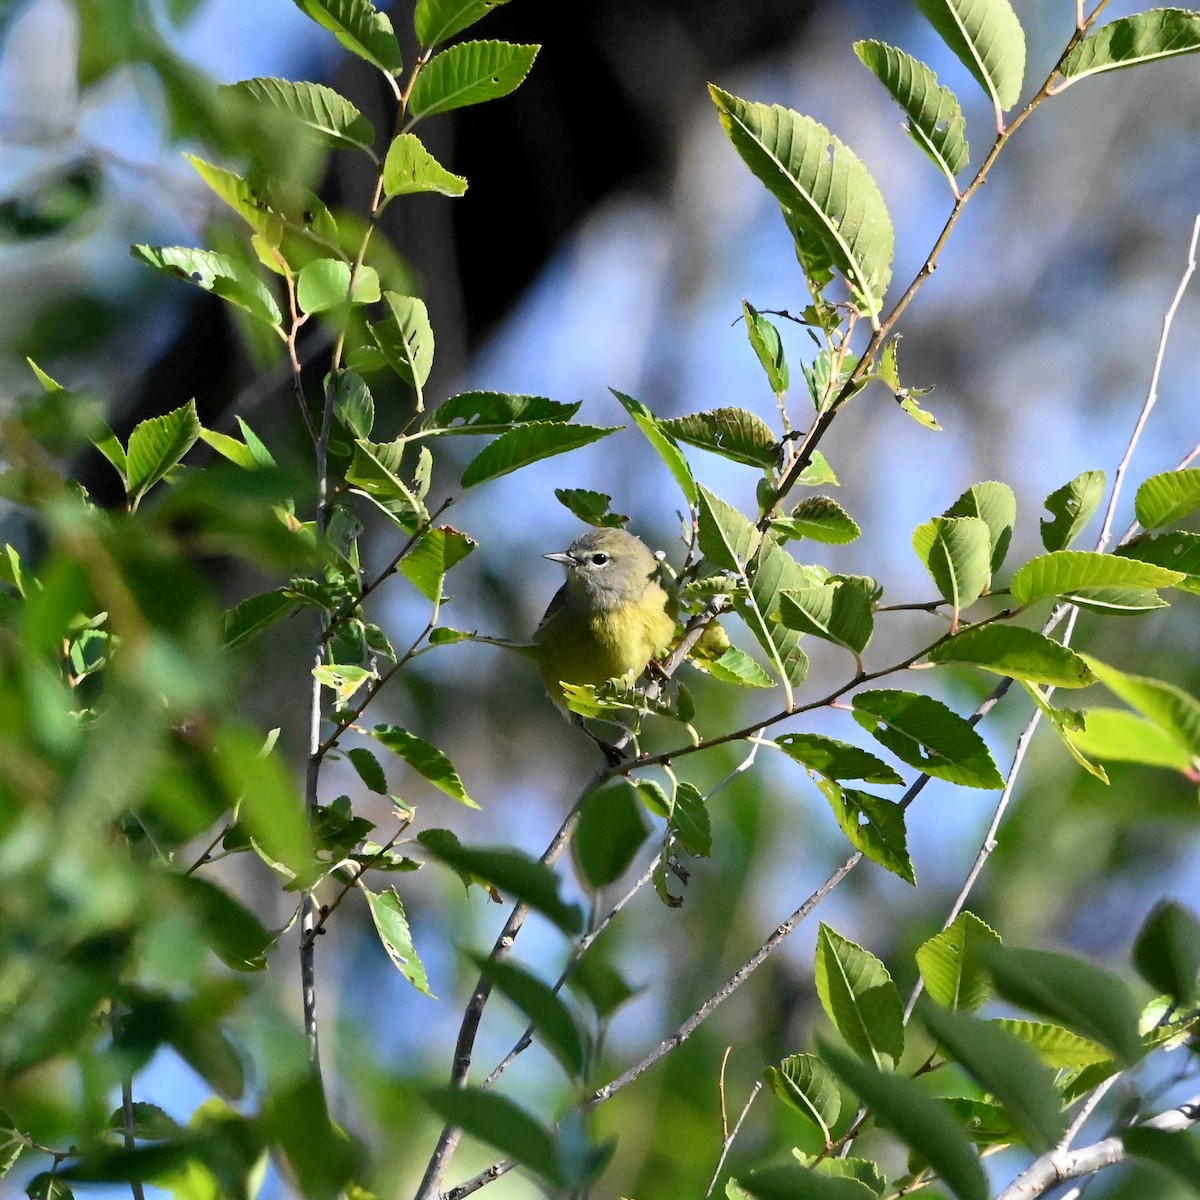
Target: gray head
606,568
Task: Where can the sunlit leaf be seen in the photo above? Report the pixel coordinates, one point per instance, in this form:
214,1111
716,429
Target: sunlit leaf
409,167
952,969
360,29
525,444
1018,653
316,107
1071,507
1145,37
391,924
470,73
988,39
437,20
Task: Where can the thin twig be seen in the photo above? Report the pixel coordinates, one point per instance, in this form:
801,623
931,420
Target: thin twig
727,1145
128,1125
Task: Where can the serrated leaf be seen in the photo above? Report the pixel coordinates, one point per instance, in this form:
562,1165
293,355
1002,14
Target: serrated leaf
436,552
836,760
1067,724
835,207
956,552
733,433
425,759
858,996
1017,653
1172,709
551,1019
216,273
805,1083
525,444
359,28
1070,992
591,507
1167,951
353,404
373,473
156,445
924,733
773,571
873,825
988,40
734,666
470,73
1116,735
818,473
1005,1068
409,168
11,1143
1055,1046
324,284
1176,551
367,767
531,882
492,412
935,119
996,505
252,615
768,348
406,340
1145,37
1084,576
689,821
230,448
316,107
726,538
952,969
1169,497
923,1123
391,924
821,519
1071,507
342,679
437,20
837,611
662,442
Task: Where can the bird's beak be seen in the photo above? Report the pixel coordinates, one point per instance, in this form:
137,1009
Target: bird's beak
560,557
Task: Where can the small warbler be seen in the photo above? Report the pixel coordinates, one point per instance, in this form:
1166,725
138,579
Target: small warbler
609,619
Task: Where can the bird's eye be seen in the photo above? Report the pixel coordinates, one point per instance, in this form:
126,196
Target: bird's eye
599,559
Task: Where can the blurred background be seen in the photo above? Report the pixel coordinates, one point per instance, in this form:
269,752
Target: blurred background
607,240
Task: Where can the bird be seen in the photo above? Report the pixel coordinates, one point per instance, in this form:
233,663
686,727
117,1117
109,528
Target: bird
610,618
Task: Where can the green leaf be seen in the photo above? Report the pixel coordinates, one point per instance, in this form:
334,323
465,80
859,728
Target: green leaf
1056,1046
1115,735
873,825
821,519
500,1123
11,1143
804,1082
368,769
837,611
54,201
1070,992
610,832
1169,497
492,412
353,404
726,538
957,553
425,759
1004,1067
859,997
551,1019
391,925
409,168
1176,1151
317,108
528,880
733,433
359,28
773,571
835,207
1084,576
435,553
1071,507
45,1186
470,73
935,119
1067,724
372,472
1173,710
818,473
927,735
1017,653
996,505
921,1122
952,967
988,40
1176,551
734,666
768,348
590,507
156,445
230,448
233,933
406,340
668,451
253,615
689,822
216,273
1145,37
437,20
792,1181
836,760
1167,951
324,284
527,444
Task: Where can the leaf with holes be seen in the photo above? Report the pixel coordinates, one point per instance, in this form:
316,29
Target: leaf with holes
470,73
391,924
1071,507
409,168
873,825
733,433
216,273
